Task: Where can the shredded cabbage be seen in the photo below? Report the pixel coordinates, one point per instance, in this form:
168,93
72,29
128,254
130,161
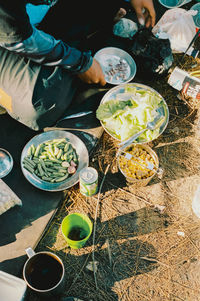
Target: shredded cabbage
129,113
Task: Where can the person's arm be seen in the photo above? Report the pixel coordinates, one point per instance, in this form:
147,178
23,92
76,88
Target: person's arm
145,12
44,49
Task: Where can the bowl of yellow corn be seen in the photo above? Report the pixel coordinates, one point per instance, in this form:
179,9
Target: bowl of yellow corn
138,163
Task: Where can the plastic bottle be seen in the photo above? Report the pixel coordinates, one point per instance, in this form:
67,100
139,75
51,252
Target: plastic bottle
196,202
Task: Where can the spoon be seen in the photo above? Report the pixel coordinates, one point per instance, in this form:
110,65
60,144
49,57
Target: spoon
152,125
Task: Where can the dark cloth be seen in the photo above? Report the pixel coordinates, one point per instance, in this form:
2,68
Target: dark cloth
41,94
14,21
77,19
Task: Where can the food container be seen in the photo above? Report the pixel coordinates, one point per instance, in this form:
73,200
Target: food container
6,162
88,181
76,143
76,229
12,288
122,93
141,168
117,65
173,3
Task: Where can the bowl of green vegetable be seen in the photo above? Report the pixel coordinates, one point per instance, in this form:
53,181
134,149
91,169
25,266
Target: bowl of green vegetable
52,160
126,110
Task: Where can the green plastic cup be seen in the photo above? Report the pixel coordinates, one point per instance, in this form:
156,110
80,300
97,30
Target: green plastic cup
76,229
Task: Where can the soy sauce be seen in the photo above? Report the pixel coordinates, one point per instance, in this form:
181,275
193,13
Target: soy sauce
77,233
44,272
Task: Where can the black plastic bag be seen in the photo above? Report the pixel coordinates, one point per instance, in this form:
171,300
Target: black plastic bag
152,55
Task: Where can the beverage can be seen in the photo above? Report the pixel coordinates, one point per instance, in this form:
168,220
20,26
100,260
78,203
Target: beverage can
88,181
186,84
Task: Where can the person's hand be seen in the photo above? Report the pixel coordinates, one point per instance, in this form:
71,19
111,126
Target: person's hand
145,12
94,75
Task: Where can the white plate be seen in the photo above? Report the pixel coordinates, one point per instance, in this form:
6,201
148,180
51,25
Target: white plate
83,159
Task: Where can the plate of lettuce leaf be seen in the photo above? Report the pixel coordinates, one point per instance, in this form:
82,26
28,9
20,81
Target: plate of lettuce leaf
127,108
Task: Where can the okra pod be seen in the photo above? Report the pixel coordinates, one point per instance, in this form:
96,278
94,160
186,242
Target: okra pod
28,167
66,147
62,178
41,171
46,178
29,151
58,174
37,150
29,161
59,154
32,149
43,165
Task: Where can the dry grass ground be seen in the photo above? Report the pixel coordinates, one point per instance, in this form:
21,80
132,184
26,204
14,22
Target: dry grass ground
147,240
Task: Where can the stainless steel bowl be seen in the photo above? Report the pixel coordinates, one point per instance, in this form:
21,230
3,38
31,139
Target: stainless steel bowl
172,3
83,158
109,58
113,94
6,162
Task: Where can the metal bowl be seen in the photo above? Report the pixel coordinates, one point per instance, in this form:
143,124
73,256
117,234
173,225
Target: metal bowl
172,3
117,65
113,94
143,181
83,158
6,162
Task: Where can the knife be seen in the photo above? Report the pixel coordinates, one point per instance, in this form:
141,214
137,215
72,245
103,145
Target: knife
75,115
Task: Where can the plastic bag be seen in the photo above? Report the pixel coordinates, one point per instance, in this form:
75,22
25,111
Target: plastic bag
153,56
179,25
125,28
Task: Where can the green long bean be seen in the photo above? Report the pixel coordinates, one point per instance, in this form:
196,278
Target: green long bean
51,160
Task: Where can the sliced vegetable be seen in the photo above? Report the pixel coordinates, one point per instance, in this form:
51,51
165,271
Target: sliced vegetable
52,161
129,113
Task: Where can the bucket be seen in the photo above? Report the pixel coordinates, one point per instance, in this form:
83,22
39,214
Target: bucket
76,229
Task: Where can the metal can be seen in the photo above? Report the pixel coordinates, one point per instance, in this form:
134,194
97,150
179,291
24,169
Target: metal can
88,181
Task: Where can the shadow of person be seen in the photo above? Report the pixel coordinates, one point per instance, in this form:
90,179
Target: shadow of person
127,260
143,221
86,100
178,160
14,266
119,254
